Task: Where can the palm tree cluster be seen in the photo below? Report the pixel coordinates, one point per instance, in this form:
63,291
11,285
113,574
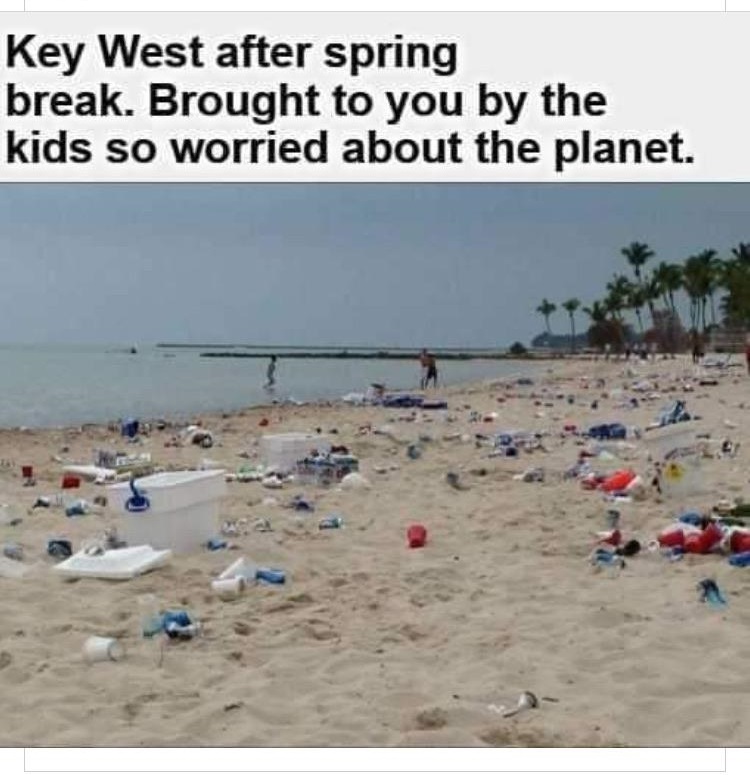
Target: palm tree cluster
702,278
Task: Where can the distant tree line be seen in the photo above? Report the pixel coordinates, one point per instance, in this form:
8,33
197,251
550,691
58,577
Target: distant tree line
717,291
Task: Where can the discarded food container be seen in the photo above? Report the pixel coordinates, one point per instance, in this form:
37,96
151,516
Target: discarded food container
176,510
282,451
416,535
97,649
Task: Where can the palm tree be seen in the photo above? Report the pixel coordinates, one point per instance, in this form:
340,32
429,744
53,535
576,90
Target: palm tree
570,306
696,280
742,253
636,298
735,277
601,330
637,254
710,277
546,308
618,289
669,278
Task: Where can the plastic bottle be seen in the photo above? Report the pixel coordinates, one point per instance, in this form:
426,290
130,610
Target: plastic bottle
151,618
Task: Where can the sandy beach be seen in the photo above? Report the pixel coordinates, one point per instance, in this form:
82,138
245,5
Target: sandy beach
370,643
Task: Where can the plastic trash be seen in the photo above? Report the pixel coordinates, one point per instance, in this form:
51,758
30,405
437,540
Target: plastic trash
179,626
270,576
78,508
416,536
59,548
13,551
216,544
711,594
331,523
740,560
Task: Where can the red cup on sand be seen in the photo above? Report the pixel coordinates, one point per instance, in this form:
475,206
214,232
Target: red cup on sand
672,536
27,472
70,482
416,535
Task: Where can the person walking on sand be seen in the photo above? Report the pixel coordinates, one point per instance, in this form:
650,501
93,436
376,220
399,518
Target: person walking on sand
271,374
424,362
432,372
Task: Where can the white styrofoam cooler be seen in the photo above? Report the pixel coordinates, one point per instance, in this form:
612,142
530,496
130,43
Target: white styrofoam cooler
182,514
282,451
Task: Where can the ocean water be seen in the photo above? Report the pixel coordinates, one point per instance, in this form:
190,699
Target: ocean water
48,386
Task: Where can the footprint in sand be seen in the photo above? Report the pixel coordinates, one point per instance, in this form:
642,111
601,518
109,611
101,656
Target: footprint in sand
431,718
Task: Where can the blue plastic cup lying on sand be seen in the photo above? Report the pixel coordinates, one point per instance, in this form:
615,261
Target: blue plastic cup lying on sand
740,560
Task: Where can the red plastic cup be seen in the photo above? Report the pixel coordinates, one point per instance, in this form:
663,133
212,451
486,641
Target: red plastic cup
739,542
672,536
695,544
613,539
27,472
416,535
712,536
70,482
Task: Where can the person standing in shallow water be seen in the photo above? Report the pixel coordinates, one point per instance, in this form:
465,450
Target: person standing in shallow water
424,362
432,373
271,374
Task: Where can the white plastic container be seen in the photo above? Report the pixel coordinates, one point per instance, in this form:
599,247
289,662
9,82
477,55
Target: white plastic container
282,451
182,511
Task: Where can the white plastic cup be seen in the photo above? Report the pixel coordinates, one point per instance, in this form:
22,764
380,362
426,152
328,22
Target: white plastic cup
228,589
97,649
241,568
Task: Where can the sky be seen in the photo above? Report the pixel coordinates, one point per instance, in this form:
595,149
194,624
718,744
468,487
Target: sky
409,265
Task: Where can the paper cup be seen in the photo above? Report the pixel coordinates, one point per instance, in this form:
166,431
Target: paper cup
228,589
97,649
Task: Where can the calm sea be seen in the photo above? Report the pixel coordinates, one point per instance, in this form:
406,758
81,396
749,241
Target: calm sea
44,386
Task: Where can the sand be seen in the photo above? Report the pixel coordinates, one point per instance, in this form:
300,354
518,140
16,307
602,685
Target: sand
371,643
